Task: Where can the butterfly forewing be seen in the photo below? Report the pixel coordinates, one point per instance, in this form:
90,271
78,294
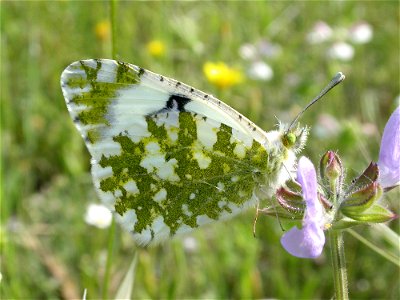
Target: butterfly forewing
165,157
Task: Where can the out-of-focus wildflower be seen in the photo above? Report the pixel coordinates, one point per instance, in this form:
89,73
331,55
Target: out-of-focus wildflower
102,30
268,49
255,52
321,32
259,70
308,241
389,155
98,215
337,38
222,75
341,51
248,51
361,33
190,244
327,126
156,48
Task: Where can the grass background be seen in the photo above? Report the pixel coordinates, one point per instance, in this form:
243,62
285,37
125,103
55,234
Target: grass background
47,250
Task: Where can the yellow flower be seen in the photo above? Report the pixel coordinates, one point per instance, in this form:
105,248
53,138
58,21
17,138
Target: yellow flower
156,48
222,75
102,30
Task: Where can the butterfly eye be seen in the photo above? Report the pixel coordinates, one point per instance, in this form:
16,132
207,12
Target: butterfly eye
289,139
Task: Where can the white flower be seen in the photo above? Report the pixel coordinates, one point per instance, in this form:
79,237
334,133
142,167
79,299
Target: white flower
98,215
361,33
259,70
321,32
190,244
341,51
248,51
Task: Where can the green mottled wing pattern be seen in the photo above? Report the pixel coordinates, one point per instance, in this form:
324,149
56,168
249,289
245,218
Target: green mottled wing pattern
167,158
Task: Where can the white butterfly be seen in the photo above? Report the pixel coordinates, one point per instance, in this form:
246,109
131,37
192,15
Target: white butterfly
168,158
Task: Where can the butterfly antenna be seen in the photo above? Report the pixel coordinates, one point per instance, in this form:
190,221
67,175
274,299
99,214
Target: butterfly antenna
339,77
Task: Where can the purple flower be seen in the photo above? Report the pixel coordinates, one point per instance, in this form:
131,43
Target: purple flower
308,241
389,155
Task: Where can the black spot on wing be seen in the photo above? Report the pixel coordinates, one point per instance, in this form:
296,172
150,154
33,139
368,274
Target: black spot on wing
177,102
174,103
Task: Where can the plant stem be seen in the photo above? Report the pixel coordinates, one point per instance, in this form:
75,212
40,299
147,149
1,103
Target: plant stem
110,250
113,8
111,237
337,250
338,264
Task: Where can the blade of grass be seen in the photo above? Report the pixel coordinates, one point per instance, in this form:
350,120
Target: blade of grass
388,256
126,287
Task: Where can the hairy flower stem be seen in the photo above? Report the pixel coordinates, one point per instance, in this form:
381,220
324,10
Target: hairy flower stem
337,253
339,264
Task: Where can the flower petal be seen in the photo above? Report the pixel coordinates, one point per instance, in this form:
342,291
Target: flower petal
307,242
98,215
389,155
307,178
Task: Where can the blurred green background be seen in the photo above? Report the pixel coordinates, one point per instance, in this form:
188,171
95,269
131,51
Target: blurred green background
47,249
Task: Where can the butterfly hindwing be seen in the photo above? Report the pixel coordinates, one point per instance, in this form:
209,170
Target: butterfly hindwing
165,157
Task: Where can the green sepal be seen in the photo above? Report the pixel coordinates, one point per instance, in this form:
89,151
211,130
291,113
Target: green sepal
325,202
291,201
345,223
294,186
370,174
282,213
361,200
375,214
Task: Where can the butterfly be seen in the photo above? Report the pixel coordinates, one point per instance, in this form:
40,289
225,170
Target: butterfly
167,158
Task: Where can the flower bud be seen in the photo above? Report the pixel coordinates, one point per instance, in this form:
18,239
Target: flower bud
331,166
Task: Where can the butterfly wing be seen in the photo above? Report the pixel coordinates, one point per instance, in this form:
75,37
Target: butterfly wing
165,157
